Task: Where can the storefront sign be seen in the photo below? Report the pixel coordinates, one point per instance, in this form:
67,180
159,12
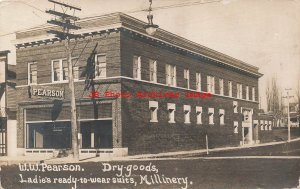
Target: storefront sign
43,91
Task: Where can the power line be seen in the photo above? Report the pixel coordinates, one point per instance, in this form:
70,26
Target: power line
198,2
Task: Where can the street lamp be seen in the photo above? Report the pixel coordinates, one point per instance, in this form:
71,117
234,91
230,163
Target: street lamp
150,27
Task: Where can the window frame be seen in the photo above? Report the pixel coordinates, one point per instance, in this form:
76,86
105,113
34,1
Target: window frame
198,82
61,70
221,86
96,58
186,76
29,73
230,88
154,62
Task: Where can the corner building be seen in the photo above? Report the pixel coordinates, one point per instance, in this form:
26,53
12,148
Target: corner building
123,58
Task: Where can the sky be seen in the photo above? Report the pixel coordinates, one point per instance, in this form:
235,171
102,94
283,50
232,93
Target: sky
264,33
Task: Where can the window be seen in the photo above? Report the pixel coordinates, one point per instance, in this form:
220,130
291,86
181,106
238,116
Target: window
56,71
60,70
171,110
211,115
230,88
253,93
210,84
100,66
187,111
236,127
221,88
198,82
170,75
222,114
266,125
136,67
262,125
153,106
247,92
199,114
235,106
32,73
239,91
186,74
270,125
153,70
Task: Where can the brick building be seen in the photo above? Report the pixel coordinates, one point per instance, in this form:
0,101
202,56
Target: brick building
125,59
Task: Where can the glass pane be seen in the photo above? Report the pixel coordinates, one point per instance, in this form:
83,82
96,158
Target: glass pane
56,70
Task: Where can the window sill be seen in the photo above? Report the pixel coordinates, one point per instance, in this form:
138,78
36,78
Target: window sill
187,122
153,121
171,122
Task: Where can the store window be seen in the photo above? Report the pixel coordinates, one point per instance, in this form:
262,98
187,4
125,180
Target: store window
49,135
96,134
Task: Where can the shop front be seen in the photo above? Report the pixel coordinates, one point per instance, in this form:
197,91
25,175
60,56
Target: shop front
47,128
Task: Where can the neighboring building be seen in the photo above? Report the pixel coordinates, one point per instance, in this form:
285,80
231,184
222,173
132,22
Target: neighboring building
7,106
126,59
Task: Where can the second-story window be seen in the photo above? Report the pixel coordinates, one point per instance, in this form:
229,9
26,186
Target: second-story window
170,75
56,70
198,81
32,73
210,84
136,67
186,74
247,92
221,86
230,88
253,93
153,70
239,91
60,70
100,66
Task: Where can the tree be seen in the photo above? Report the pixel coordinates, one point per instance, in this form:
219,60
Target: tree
274,100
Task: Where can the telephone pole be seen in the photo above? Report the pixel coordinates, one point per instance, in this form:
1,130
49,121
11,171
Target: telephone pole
66,22
288,112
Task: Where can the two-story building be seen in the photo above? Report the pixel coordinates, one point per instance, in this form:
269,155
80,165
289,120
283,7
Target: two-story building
158,78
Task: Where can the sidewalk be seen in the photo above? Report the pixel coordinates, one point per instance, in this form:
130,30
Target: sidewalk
38,159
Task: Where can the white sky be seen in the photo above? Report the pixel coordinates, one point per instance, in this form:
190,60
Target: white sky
264,33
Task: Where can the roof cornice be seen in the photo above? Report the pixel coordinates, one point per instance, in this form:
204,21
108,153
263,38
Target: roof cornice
116,21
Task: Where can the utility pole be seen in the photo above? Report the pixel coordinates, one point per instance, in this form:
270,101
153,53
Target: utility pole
66,22
288,111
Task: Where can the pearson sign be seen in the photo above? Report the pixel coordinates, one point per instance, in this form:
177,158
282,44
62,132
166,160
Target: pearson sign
47,92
